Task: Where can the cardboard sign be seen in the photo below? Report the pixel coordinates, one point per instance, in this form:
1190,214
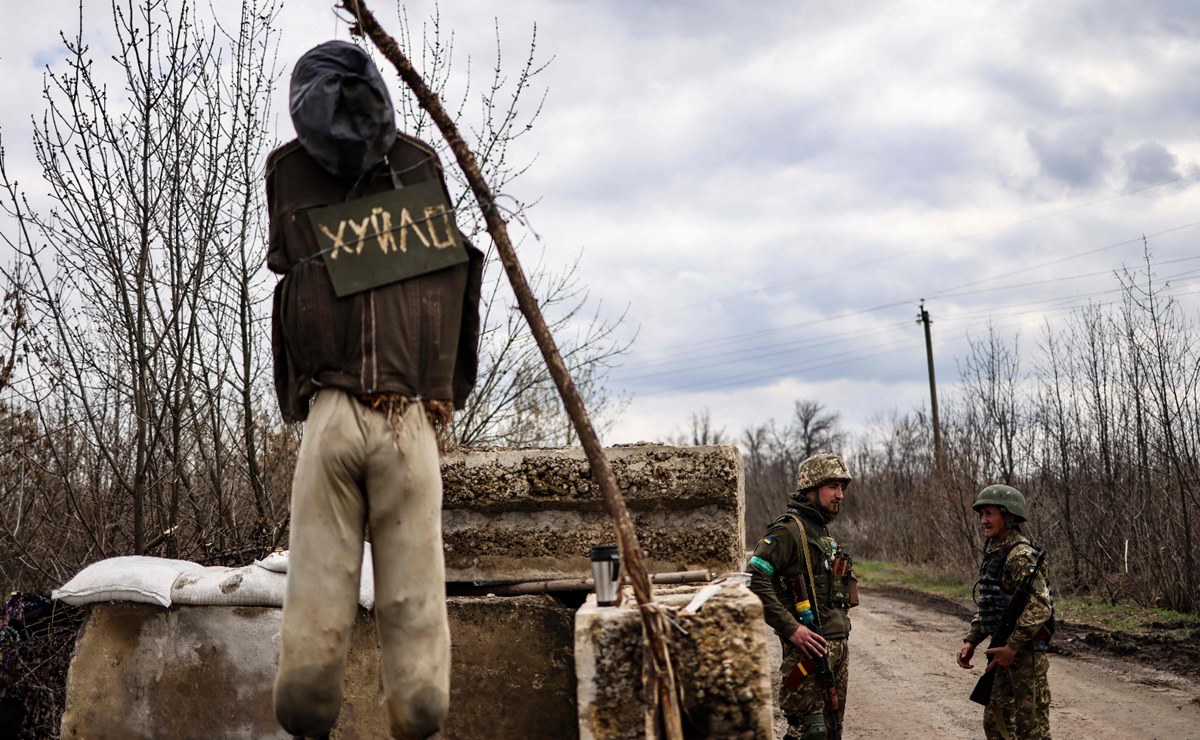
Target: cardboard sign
387,237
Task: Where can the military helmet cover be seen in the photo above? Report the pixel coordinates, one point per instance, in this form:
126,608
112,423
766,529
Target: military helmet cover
821,468
1006,497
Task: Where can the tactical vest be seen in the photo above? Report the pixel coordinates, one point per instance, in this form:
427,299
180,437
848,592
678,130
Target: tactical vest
993,601
831,594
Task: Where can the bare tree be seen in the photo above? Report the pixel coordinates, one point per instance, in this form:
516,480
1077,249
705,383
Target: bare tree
816,430
1100,436
774,453
991,375
141,291
701,431
514,402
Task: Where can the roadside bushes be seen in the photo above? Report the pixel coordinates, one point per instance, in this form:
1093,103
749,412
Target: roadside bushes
1101,434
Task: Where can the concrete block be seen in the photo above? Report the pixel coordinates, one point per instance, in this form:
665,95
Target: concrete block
719,656
519,515
141,671
513,671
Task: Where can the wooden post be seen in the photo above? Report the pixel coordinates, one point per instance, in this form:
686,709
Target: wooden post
923,318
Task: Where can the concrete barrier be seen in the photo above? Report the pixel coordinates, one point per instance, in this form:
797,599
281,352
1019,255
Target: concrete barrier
517,515
141,671
719,655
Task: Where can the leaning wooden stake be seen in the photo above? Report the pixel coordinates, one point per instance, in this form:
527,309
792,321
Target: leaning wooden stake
662,698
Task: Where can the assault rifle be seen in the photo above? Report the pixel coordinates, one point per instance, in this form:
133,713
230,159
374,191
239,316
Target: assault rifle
807,613
983,689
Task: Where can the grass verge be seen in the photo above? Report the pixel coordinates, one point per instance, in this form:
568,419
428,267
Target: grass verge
1085,611
878,572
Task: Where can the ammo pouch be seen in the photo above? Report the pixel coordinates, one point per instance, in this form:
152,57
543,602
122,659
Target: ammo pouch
842,568
837,588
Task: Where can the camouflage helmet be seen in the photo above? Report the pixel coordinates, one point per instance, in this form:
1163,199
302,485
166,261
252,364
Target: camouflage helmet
1006,497
821,468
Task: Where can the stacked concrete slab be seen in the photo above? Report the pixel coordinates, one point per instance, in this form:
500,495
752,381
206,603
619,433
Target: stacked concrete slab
718,654
518,515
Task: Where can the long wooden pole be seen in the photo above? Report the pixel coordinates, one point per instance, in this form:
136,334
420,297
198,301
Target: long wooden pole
662,696
559,585
923,318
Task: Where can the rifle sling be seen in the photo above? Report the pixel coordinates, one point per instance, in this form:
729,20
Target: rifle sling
808,566
998,716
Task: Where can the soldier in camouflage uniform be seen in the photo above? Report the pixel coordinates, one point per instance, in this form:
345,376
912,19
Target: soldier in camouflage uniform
1020,703
780,556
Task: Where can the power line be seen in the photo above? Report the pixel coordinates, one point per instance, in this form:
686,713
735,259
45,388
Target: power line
748,336
945,243
855,355
773,348
1054,280
1067,305
769,375
766,350
1077,255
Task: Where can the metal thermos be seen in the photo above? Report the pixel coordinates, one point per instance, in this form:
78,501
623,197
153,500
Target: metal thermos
606,570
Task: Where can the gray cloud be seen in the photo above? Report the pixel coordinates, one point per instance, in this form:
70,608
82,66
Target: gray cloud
1074,154
1150,163
784,169
1030,89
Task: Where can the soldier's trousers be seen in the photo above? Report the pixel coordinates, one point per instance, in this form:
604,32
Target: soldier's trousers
808,699
1021,699
354,468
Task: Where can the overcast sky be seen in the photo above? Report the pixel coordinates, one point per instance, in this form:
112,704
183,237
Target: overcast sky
771,188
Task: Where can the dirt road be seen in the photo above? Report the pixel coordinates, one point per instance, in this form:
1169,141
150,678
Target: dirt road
904,682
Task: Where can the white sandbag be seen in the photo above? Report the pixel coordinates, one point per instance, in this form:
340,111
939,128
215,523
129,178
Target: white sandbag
248,585
139,578
277,562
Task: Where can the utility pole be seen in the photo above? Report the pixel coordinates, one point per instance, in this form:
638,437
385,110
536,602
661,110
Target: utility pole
923,318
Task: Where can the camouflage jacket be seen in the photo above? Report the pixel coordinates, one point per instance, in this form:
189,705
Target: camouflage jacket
1039,610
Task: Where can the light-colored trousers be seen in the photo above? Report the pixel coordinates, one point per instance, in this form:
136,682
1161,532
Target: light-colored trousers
355,467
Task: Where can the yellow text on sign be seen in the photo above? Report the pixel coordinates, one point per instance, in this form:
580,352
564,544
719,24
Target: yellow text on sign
378,226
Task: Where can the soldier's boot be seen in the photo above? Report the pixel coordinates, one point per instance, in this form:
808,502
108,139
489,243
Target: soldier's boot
806,727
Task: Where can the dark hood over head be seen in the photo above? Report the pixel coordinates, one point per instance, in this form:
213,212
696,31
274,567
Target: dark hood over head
341,109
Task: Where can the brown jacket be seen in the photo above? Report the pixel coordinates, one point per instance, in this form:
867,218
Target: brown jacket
417,337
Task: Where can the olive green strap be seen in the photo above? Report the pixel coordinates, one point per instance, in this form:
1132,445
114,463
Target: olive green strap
812,582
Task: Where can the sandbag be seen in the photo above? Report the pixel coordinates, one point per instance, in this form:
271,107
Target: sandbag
248,585
277,562
140,578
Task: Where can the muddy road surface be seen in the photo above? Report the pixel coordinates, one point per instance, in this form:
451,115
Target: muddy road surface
904,682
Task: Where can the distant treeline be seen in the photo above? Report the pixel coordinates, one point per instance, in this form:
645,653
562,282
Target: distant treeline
1099,428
